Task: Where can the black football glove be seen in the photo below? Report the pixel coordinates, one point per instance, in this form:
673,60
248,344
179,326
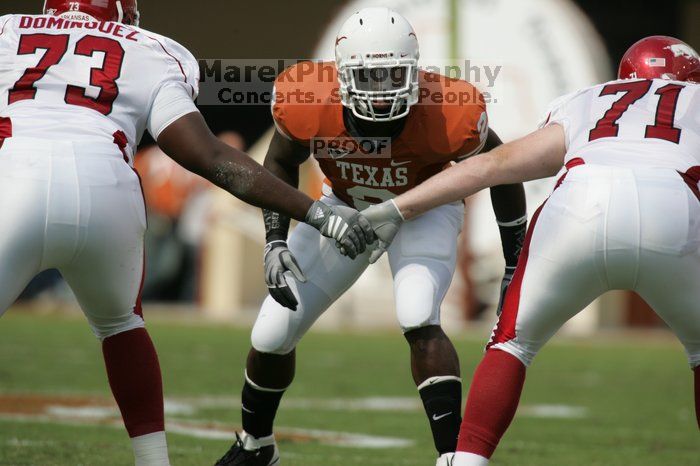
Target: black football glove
505,283
278,261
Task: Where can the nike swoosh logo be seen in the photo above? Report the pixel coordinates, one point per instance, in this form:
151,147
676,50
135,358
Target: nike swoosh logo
398,164
247,410
437,418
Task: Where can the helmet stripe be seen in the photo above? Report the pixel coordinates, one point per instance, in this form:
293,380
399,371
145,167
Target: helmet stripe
120,11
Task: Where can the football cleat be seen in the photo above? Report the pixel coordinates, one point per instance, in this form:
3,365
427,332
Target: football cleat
660,57
249,451
446,459
121,11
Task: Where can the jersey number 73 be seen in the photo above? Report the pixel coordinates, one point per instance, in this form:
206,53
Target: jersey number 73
55,47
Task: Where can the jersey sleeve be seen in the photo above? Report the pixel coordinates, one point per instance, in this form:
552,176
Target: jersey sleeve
174,95
559,113
4,20
299,100
278,115
477,133
474,122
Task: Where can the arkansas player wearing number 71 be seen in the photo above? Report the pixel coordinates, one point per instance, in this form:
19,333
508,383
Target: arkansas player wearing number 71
78,87
625,215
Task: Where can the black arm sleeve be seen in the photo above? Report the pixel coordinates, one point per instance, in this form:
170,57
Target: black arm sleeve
509,205
283,159
276,226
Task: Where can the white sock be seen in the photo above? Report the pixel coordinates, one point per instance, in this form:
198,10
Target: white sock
151,449
462,458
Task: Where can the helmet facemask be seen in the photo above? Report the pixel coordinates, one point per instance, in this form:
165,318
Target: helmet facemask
131,19
379,90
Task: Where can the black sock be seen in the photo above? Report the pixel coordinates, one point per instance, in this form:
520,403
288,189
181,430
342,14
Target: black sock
442,399
258,409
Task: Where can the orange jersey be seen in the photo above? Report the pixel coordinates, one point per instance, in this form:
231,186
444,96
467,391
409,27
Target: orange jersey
437,131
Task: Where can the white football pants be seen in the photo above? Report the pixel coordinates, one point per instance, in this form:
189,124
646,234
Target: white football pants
422,259
77,207
606,228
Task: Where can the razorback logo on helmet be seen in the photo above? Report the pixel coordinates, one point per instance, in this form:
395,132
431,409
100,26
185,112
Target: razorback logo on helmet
660,57
121,11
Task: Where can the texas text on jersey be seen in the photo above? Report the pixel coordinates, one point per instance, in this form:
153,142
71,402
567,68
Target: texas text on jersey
436,132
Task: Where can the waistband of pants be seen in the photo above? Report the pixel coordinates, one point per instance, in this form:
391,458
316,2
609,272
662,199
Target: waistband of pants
56,147
690,177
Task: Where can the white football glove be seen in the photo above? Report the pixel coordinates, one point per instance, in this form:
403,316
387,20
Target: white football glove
351,231
386,219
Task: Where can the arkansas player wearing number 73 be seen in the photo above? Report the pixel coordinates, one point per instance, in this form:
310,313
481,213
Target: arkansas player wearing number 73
625,215
79,85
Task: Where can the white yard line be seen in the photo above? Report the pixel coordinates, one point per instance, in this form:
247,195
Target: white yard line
181,412
380,404
88,416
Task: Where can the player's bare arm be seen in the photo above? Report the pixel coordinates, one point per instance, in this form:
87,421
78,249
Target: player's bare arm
537,155
190,143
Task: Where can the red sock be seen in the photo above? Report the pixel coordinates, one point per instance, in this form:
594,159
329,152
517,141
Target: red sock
493,400
134,376
697,394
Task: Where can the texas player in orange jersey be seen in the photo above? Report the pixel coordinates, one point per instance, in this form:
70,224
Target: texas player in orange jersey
377,126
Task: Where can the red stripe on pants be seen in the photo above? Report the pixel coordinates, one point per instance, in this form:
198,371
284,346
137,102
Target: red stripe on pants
505,329
5,129
692,178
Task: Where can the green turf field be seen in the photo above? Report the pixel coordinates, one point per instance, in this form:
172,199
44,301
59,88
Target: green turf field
591,403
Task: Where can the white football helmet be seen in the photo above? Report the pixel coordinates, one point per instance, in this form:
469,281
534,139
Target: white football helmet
376,53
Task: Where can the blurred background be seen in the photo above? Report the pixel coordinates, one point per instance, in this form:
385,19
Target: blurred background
204,249
599,395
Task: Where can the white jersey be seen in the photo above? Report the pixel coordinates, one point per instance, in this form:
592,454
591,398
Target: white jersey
63,79
645,123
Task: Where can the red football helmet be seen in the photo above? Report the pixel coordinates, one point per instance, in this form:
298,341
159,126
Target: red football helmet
121,11
661,57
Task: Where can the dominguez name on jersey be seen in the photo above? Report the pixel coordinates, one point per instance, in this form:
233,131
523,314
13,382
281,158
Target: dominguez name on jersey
105,27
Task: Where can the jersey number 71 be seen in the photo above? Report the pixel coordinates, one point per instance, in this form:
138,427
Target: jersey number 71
663,127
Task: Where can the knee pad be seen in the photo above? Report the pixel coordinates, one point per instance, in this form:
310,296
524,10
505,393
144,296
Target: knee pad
273,331
418,297
278,329
108,327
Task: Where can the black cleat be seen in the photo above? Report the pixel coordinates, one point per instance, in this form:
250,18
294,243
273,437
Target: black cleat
266,453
